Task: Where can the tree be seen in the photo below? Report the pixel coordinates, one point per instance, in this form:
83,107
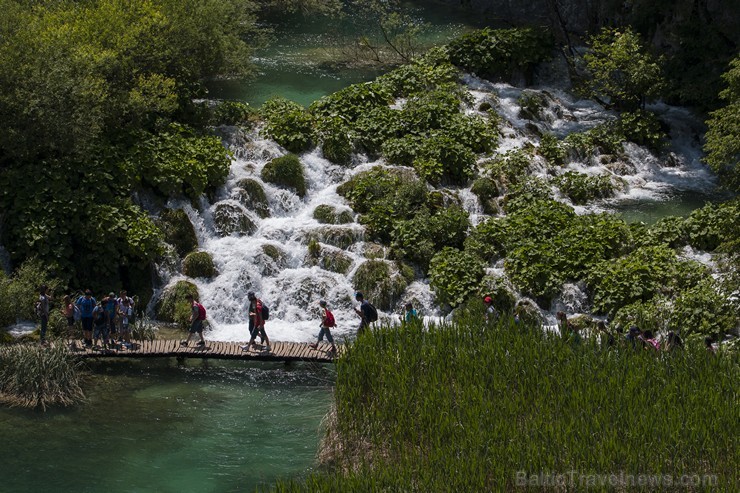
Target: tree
723,137
621,70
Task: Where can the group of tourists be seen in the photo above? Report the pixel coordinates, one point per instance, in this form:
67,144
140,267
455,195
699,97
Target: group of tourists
106,321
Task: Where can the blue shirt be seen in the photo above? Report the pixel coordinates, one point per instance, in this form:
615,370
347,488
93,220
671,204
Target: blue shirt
86,306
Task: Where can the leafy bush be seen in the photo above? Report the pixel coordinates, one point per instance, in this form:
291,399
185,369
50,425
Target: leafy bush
552,149
723,136
33,376
509,168
376,126
713,225
252,196
705,309
178,230
336,142
489,239
426,73
286,171
199,264
605,138
179,163
381,283
670,231
582,188
19,293
233,113
499,53
351,102
474,132
455,275
288,124
642,127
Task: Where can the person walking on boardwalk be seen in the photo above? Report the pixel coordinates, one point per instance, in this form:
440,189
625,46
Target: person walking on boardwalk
366,312
256,322
42,310
327,322
87,304
110,304
197,317
102,327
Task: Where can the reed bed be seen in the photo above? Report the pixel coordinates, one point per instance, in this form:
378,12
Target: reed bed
38,376
465,407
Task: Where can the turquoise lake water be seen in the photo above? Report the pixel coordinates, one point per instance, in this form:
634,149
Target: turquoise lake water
161,426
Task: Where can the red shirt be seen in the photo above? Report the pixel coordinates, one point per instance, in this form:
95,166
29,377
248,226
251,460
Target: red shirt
257,313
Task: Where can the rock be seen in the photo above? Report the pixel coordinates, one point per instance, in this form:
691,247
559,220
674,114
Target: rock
382,283
338,236
252,195
286,172
230,218
178,230
199,264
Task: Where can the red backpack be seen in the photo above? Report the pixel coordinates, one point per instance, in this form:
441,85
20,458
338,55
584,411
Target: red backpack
330,322
201,311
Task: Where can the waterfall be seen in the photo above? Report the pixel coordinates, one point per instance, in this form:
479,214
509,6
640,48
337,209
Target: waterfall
291,285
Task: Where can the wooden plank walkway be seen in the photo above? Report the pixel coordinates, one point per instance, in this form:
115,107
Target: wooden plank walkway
171,348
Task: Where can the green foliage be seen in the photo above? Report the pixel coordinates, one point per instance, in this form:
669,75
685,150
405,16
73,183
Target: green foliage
582,188
172,305
288,124
670,231
643,128
381,282
178,231
33,376
552,149
531,105
605,138
423,74
714,224
621,70
509,168
336,142
199,264
252,195
723,136
639,276
233,113
383,197
351,102
19,293
499,53
705,309
286,171
455,275
421,407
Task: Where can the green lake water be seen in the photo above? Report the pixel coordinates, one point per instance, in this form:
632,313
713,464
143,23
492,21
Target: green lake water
161,426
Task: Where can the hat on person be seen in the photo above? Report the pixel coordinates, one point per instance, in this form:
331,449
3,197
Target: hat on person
112,294
487,299
359,293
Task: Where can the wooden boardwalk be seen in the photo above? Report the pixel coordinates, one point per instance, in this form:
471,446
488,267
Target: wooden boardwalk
171,348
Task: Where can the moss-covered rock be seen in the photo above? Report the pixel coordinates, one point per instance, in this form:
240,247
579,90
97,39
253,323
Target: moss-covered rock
286,172
252,195
178,230
274,252
172,305
199,264
532,105
374,251
272,260
230,218
381,282
487,191
341,237
327,214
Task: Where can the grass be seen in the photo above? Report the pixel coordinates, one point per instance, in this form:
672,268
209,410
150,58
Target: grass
36,376
465,407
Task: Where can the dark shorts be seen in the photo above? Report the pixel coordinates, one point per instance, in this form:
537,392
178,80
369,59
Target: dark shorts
197,326
87,324
70,321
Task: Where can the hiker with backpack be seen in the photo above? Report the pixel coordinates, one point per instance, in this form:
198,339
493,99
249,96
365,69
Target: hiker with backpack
197,316
86,305
42,311
257,312
366,312
327,322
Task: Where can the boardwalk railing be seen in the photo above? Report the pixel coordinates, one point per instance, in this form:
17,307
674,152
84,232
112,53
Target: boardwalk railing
166,348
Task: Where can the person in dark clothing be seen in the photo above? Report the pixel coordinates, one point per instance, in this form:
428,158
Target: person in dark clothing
364,312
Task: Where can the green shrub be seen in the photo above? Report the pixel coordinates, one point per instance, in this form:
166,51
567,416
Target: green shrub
252,196
199,264
352,101
499,53
713,225
178,230
172,305
376,126
426,73
705,309
489,239
486,190
229,219
582,188
288,124
455,275
474,132
179,163
605,138
642,127
509,168
33,376
431,110
381,282
286,171
552,149
19,293
670,231
233,113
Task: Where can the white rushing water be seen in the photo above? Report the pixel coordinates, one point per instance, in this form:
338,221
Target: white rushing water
292,287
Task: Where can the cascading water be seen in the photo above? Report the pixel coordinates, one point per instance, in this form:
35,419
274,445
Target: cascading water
274,260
